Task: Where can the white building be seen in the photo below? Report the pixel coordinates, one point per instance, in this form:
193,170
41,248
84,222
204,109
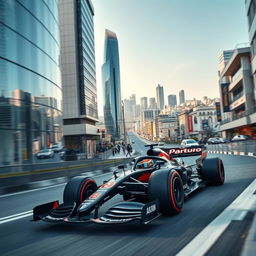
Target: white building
203,118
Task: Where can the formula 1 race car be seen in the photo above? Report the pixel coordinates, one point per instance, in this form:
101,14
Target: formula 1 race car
156,184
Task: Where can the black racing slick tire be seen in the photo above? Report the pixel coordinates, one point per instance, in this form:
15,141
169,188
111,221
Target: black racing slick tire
213,172
167,187
78,189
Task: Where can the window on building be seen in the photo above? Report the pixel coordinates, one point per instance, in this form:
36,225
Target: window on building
251,12
253,44
195,120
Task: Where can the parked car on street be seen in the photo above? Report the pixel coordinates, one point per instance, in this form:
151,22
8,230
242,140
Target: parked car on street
160,144
241,138
57,148
45,153
224,140
213,141
189,143
68,155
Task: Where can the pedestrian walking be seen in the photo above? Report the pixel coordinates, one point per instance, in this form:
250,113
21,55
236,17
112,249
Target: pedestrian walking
129,150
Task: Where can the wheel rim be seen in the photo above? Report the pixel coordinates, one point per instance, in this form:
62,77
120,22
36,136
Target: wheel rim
177,190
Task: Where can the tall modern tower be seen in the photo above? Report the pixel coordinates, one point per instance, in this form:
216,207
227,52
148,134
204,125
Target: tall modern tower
78,75
160,96
152,103
30,83
182,96
111,86
144,103
172,100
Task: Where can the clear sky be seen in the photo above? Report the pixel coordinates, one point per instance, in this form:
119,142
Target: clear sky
175,43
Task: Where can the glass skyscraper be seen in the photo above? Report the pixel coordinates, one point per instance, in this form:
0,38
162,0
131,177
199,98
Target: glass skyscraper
160,96
30,84
182,96
111,86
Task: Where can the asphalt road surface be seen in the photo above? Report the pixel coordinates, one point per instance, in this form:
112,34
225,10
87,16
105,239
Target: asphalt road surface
164,236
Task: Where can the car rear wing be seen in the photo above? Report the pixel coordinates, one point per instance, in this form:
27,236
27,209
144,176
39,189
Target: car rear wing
186,152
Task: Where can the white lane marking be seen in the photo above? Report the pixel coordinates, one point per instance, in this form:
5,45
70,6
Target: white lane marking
15,217
208,236
48,187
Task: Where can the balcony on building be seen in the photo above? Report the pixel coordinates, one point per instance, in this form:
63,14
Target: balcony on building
238,73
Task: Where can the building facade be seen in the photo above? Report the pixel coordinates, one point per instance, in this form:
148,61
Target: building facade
172,100
112,86
160,96
224,58
149,123
202,122
237,95
30,82
182,96
250,6
80,112
168,125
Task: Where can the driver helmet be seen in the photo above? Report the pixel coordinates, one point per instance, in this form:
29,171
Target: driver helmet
145,163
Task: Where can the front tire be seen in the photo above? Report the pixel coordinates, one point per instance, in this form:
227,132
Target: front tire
212,171
167,187
78,189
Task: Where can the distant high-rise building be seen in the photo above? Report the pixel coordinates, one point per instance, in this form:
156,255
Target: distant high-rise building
144,103
133,99
111,85
137,111
80,112
160,96
182,96
152,103
133,105
172,100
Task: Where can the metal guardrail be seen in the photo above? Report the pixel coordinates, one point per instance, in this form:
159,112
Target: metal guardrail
240,146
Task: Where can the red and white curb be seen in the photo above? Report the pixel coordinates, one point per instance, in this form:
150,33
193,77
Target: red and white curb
237,153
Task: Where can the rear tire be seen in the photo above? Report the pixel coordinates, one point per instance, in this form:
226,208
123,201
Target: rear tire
212,171
167,187
78,189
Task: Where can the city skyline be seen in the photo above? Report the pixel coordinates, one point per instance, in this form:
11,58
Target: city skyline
176,64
